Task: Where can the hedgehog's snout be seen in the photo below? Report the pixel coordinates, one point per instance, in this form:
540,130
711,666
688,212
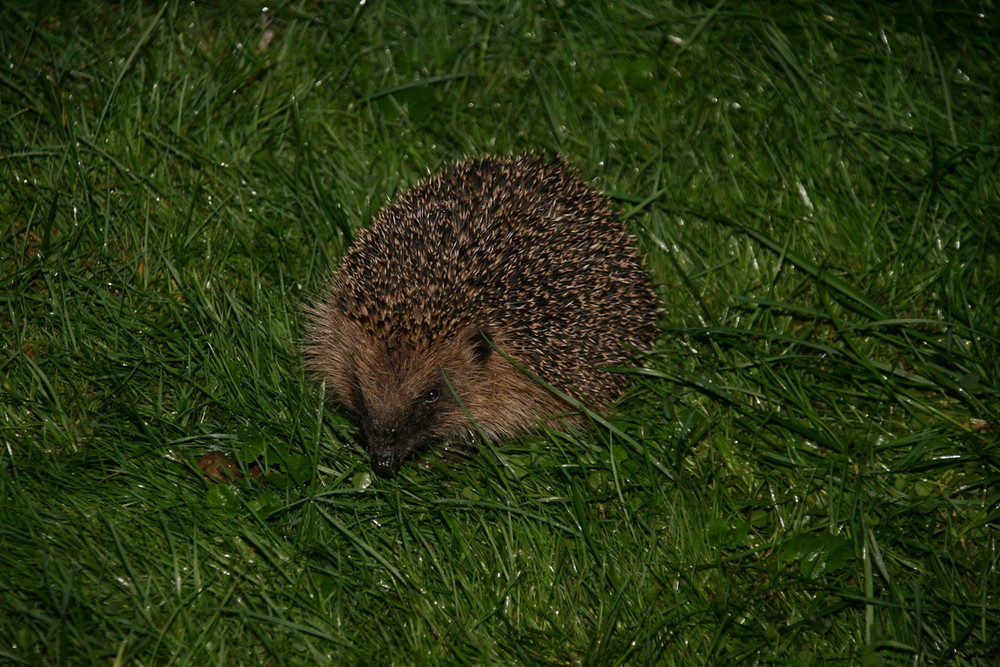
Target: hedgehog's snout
383,465
383,451
380,454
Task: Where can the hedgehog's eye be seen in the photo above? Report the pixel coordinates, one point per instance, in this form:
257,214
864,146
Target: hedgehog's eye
430,396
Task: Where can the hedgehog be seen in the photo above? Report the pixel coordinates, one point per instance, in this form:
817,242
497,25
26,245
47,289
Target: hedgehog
473,296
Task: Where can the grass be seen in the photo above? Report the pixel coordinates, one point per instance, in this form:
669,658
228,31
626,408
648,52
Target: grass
806,472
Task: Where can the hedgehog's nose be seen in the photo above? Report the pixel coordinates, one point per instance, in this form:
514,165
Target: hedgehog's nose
382,466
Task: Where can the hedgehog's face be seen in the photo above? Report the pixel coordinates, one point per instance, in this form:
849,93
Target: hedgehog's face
408,399
404,399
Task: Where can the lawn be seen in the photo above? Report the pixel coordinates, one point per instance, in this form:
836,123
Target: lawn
805,471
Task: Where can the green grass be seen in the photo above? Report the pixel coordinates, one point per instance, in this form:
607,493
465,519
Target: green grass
808,471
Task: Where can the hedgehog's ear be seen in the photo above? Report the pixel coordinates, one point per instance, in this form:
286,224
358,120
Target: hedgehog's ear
482,346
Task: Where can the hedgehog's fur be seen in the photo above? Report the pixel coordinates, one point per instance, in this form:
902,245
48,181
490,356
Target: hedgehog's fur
495,260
